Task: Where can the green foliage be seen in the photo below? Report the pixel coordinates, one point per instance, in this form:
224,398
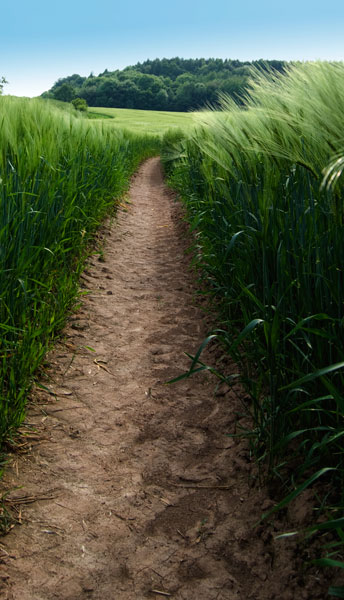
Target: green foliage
80,104
65,93
169,84
270,245
59,175
2,83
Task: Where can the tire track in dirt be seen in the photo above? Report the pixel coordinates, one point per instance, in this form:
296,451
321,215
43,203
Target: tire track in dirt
145,493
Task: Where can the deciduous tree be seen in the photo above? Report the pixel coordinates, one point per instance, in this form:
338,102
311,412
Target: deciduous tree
65,93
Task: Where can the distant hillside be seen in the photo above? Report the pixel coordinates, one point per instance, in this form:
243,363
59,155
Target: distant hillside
175,84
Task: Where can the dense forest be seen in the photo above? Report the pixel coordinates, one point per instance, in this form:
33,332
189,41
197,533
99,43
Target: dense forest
175,84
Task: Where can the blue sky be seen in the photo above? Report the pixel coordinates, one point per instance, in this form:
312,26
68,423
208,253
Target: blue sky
42,41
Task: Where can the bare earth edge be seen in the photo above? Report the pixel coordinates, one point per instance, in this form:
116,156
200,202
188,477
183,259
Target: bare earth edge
139,491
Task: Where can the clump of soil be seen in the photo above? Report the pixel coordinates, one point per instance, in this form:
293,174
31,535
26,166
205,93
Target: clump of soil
132,489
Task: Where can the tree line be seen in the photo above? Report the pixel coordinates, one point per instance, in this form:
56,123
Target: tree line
175,84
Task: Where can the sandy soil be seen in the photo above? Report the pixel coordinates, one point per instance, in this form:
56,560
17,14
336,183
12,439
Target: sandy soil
132,489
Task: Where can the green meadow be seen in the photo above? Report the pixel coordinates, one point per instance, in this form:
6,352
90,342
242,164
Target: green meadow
153,122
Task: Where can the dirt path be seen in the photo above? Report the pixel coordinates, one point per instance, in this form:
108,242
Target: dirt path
142,493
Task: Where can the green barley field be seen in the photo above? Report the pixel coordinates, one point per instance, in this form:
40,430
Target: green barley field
263,189
60,174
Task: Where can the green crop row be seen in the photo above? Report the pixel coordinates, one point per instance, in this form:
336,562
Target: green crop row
59,176
268,217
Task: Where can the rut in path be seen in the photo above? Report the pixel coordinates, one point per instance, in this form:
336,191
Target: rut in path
142,492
